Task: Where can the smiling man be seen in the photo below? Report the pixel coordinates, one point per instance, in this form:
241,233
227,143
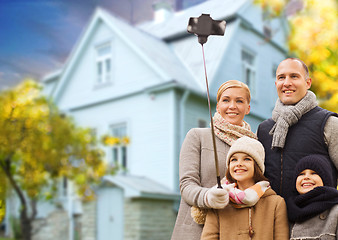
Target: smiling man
298,127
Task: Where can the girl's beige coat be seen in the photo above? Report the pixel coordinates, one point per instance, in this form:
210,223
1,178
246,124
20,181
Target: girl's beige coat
268,218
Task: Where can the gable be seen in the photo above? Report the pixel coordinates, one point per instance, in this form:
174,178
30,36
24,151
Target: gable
138,62
128,71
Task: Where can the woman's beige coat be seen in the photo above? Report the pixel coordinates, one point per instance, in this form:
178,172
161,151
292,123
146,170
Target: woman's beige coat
268,218
197,174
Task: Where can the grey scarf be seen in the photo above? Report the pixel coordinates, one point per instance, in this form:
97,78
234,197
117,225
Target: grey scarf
287,115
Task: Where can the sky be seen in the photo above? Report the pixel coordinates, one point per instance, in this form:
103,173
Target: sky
36,36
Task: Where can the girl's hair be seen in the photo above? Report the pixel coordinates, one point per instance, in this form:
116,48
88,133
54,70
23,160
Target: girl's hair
233,84
258,175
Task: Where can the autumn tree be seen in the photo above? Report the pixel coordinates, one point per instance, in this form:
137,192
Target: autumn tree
38,146
2,197
313,38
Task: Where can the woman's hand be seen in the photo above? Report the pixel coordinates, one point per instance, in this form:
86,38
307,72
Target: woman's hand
217,198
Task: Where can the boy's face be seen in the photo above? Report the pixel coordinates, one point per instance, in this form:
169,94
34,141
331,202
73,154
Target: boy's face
308,180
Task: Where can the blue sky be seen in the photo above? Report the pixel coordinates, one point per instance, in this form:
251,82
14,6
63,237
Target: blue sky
36,36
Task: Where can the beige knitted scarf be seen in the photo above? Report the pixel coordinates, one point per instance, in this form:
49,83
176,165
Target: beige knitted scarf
287,115
228,132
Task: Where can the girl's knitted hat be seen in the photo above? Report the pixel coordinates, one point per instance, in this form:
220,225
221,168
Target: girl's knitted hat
249,146
318,163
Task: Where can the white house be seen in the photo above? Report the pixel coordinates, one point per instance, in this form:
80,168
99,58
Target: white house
147,82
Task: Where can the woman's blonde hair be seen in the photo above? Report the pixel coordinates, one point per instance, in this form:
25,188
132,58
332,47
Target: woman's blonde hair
233,84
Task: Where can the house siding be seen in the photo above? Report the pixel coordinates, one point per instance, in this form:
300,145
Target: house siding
129,73
149,120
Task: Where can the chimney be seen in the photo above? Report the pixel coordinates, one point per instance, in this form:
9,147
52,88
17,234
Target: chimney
162,10
179,5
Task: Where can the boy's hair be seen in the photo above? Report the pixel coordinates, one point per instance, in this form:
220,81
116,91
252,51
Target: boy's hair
318,163
258,175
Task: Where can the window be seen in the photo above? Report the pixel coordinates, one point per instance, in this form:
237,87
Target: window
202,123
273,94
103,63
119,151
267,32
64,186
249,72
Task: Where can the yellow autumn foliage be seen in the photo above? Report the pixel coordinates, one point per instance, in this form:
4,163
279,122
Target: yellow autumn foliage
314,39
42,145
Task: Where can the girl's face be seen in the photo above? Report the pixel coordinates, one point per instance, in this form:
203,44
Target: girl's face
308,180
233,105
241,168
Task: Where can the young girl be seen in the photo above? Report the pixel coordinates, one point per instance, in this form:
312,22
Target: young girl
254,210
314,211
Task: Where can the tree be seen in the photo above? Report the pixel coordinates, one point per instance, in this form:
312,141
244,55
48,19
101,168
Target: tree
2,198
314,39
38,146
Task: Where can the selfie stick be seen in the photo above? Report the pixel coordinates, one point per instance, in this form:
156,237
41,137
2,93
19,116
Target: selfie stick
204,26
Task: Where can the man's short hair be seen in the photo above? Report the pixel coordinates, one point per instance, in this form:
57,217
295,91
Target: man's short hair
303,64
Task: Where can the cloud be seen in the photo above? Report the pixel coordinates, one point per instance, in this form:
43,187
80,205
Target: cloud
40,34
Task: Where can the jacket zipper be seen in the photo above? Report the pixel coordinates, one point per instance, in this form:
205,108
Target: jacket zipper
281,173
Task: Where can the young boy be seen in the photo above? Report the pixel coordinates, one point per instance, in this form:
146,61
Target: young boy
314,211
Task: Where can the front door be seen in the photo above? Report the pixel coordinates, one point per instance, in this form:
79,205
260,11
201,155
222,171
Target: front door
110,214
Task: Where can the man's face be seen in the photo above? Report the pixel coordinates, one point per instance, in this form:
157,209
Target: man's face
291,82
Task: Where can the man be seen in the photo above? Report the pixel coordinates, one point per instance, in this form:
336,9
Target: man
298,127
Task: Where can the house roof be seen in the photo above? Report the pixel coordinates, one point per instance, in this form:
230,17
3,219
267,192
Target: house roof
155,51
141,187
218,9
148,41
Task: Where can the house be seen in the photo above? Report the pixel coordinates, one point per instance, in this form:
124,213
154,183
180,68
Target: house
147,82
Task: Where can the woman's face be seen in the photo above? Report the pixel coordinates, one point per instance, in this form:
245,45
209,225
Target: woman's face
308,180
233,105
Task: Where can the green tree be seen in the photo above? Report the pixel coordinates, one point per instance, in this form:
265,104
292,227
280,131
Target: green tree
314,39
38,146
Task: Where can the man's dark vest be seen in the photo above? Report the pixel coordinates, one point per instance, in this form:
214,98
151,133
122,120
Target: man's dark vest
304,138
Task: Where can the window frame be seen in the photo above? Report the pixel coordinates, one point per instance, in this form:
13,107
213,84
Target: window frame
119,151
249,66
102,60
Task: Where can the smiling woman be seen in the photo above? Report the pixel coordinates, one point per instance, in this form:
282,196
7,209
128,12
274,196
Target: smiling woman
197,167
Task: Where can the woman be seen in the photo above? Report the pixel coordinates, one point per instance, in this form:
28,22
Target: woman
197,167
